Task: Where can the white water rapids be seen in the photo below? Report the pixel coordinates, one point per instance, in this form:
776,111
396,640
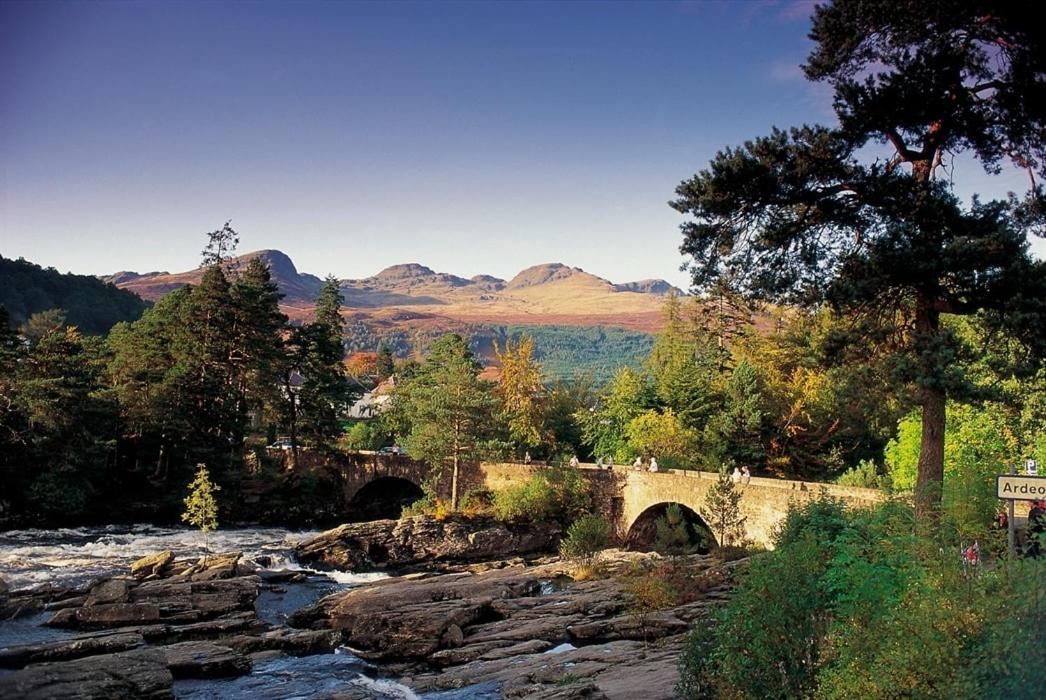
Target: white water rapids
75,556
72,556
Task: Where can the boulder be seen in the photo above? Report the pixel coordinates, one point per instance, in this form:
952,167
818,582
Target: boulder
425,540
108,591
152,564
415,618
133,675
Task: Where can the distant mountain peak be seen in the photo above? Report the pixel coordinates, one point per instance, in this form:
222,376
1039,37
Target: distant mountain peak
405,271
545,273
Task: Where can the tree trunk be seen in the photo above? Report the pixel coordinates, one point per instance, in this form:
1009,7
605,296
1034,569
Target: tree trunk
454,479
930,479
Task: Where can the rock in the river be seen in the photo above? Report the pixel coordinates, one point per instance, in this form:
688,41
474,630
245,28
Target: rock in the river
412,619
75,648
422,540
152,564
133,675
205,660
169,600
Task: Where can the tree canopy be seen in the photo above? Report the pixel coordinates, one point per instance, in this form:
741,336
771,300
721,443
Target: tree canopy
813,215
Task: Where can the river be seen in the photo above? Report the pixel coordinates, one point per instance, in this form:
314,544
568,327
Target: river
74,556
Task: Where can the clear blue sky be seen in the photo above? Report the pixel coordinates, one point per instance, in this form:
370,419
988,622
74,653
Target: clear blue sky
471,137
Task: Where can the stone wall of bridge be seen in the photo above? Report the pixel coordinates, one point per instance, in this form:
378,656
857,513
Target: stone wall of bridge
623,494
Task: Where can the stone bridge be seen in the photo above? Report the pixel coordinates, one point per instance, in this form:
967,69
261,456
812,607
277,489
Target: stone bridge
632,500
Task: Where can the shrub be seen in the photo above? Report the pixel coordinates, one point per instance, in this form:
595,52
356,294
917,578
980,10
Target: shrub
558,493
477,502
865,475
696,679
586,538
362,436
824,518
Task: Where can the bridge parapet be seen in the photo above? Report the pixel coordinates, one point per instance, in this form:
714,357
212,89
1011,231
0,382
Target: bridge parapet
623,494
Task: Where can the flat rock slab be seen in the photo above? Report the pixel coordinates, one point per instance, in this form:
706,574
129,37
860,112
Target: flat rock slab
67,649
132,675
204,660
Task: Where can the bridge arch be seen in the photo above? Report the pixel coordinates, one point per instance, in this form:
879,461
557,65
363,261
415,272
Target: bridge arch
642,533
382,498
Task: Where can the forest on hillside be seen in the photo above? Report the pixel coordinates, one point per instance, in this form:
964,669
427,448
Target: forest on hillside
89,304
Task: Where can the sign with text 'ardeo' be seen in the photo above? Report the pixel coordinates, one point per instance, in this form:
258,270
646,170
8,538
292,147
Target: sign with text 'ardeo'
1021,488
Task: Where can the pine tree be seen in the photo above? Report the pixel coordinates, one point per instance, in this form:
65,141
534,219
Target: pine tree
722,510
328,307
221,246
448,411
201,507
736,431
797,217
673,533
316,358
258,349
385,366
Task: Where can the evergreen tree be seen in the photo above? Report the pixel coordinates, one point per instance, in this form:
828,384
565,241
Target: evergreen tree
66,423
385,366
735,433
722,510
221,246
673,533
258,353
797,217
317,385
328,307
685,364
447,411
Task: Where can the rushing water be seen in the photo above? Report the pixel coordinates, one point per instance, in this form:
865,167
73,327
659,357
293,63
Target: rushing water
75,556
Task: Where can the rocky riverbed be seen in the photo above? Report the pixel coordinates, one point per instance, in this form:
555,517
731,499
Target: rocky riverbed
498,628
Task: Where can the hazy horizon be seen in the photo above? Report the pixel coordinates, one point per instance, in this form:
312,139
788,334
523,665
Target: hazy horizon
470,138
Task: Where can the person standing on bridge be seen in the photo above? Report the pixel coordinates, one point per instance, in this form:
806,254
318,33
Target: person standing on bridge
574,463
736,476
638,464
746,476
653,464
526,457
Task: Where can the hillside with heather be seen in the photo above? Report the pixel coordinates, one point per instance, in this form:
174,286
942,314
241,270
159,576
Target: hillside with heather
581,323
547,294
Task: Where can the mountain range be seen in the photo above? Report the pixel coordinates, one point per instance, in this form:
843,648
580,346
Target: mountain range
550,293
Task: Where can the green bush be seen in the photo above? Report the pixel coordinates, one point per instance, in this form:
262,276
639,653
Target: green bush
673,533
557,493
586,538
362,436
859,604
865,475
